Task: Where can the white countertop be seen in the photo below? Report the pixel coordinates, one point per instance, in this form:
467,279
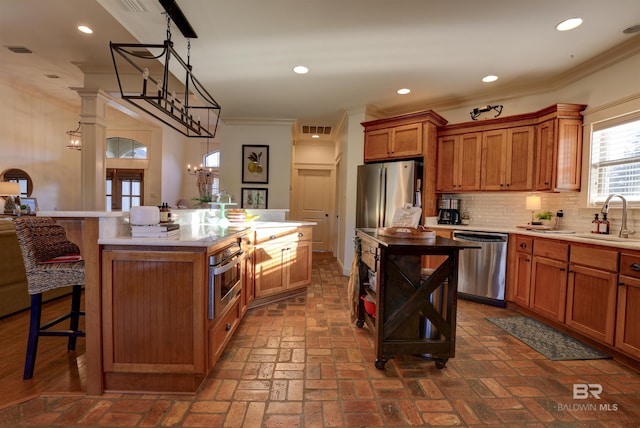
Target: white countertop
80,214
612,240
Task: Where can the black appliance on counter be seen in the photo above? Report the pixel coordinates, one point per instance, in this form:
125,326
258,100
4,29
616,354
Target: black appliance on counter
448,212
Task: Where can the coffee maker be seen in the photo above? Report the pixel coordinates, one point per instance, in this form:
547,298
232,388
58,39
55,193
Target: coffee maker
449,211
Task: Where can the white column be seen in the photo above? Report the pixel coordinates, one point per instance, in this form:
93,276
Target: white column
93,168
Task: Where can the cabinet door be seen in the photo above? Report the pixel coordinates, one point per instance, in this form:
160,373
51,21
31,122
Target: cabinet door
544,155
154,314
248,278
522,284
549,287
569,154
269,261
299,264
445,178
628,317
376,144
494,159
406,141
468,164
519,158
591,302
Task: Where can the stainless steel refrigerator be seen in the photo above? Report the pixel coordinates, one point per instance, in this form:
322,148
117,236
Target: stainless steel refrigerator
383,187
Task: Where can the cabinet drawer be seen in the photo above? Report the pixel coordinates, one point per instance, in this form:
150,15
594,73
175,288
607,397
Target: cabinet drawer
630,265
272,233
595,258
554,250
524,244
369,253
220,334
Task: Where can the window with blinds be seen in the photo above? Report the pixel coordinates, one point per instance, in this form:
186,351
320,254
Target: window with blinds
615,159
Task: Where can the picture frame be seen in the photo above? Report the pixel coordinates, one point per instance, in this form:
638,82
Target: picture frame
255,164
32,203
254,198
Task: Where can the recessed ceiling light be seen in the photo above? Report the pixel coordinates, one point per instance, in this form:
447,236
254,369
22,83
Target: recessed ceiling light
300,69
85,29
489,78
403,91
569,24
632,29
315,136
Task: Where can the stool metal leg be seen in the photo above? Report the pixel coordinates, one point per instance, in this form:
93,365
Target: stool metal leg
34,333
75,315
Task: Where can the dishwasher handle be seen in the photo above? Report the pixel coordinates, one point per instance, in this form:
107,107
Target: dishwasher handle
476,237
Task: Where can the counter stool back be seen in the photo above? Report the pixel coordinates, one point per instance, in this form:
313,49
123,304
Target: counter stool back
51,261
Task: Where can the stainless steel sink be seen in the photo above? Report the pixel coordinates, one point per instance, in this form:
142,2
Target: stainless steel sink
613,238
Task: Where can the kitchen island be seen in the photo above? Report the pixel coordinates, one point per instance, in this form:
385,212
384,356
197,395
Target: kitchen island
151,323
415,310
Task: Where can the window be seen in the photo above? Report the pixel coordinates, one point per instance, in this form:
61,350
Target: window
212,162
615,159
125,148
124,189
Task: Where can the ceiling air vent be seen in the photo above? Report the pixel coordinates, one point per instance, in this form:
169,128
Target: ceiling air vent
19,49
319,130
134,6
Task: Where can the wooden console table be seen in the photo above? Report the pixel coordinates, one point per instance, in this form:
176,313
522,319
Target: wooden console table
415,310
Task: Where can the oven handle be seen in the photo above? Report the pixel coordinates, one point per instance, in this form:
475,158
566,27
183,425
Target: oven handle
227,266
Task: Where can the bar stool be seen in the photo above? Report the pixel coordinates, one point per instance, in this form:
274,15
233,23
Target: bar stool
51,261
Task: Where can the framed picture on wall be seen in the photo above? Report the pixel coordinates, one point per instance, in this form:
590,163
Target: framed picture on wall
255,164
254,198
31,203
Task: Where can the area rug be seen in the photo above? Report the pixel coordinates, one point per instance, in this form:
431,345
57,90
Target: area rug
549,342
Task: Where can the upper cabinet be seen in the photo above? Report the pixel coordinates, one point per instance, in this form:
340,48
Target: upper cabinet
535,151
400,137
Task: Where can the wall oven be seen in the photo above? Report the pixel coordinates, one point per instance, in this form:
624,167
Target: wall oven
225,280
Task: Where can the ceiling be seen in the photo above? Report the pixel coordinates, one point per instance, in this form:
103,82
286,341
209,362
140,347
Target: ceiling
359,51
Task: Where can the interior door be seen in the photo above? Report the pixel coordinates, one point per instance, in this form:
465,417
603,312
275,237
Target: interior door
314,194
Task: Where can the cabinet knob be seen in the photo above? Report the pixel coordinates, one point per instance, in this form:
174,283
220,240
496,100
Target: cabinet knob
561,269
523,245
272,237
300,234
635,266
227,327
620,284
527,259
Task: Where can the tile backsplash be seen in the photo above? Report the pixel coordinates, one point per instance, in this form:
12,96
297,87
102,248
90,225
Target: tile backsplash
508,210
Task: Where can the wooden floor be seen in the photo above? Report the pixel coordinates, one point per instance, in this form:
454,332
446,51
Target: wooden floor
56,370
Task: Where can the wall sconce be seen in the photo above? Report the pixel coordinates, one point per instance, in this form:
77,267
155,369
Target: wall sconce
533,203
476,112
75,139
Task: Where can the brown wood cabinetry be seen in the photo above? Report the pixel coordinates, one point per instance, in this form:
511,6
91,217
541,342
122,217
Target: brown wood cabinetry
591,294
559,148
399,142
549,278
508,159
248,276
459,162
628,315
399,137
282,260
540,150
154,318
522,264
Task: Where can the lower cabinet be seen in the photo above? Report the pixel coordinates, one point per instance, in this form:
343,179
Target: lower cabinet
153,319
549,278
522,266
282,260
592,290
628,314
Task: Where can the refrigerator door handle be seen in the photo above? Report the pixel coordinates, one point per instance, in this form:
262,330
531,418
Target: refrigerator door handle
383,197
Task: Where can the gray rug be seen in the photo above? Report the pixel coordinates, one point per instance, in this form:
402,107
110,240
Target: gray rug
549,342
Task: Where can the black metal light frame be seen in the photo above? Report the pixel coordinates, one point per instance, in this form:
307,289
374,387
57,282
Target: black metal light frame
476,112
159,95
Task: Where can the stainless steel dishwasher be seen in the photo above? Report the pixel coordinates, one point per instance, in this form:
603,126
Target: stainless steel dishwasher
482,272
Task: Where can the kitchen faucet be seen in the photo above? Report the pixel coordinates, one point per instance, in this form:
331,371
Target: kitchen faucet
624,233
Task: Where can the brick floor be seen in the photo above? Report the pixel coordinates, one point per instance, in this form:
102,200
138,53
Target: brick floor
301,363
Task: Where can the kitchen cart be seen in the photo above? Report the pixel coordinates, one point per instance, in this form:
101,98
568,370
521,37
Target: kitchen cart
415,308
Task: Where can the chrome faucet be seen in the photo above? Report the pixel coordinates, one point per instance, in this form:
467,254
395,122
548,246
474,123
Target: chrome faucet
624,233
